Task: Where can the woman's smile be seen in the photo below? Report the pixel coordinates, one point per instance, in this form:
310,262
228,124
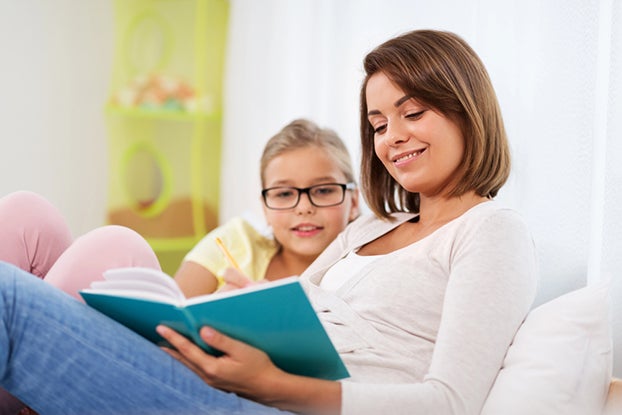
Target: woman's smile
407,156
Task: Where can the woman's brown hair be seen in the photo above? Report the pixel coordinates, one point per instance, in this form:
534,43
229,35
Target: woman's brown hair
441,70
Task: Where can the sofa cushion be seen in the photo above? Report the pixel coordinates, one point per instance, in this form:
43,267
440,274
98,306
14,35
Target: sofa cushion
560,361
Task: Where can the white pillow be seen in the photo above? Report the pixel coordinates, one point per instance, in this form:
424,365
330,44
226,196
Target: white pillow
560,361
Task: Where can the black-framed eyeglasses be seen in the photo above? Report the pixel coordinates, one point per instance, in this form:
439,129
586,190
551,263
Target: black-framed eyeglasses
320,195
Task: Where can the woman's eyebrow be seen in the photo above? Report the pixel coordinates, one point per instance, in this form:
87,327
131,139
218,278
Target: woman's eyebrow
402,100
395,104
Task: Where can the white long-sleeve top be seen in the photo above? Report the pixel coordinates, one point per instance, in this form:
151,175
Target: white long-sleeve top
424,329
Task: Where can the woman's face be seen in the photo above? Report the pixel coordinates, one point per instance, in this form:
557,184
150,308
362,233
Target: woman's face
305,230
420,148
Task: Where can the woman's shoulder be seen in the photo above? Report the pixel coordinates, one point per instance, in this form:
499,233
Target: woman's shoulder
493,217
492,210
368,226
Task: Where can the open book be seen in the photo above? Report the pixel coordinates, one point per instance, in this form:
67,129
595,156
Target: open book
275,317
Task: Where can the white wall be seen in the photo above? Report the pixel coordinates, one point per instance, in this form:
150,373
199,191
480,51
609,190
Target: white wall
56,59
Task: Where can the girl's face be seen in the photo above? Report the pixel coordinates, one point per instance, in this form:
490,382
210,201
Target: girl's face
305,230
418,146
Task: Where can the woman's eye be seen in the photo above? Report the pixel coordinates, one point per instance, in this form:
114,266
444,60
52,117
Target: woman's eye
379,129
415,115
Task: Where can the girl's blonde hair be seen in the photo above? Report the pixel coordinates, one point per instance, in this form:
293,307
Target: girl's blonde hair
303,133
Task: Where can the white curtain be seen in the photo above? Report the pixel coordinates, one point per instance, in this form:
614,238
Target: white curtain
557,69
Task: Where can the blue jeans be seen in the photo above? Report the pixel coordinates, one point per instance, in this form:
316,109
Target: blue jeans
61,357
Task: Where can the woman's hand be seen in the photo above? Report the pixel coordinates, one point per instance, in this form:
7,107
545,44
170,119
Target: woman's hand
250,373
242,369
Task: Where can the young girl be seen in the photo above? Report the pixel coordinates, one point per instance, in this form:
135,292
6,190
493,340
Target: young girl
309,196
421,299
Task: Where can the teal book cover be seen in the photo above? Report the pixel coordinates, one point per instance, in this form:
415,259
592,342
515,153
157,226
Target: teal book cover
275,317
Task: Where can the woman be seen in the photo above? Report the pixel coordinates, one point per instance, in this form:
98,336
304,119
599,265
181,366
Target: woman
421,299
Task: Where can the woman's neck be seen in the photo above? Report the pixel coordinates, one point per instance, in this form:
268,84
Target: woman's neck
440,210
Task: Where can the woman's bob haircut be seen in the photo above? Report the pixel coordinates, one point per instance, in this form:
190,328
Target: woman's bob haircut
438,69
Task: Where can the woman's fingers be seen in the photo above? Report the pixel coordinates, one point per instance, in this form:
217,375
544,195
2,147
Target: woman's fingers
238,368
193,356
186,351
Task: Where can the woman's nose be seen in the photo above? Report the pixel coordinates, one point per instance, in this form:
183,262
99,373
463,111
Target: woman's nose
396,134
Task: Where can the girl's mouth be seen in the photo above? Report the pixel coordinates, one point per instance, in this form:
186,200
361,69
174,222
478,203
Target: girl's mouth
306,230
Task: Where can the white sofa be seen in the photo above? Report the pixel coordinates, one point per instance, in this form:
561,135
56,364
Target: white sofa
560,361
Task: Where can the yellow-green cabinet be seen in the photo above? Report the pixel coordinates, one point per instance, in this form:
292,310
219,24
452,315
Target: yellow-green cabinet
164,121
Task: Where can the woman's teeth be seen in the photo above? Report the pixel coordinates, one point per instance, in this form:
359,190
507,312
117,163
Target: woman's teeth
408,156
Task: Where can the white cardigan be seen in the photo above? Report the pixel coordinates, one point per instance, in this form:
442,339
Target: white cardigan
424,330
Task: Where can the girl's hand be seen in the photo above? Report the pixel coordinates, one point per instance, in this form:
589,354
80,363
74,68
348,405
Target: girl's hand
234,280
242,369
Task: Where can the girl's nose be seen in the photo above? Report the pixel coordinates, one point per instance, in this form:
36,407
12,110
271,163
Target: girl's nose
304,204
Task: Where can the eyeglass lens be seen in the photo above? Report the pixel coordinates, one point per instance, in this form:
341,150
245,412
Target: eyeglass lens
288,197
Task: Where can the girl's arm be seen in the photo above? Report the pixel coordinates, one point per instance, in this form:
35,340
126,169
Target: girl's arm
248,372
195,279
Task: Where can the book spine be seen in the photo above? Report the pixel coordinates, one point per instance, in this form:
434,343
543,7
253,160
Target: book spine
194,330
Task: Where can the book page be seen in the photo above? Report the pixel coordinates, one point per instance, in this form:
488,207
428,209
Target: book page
136,287
150,284
241,291
141,283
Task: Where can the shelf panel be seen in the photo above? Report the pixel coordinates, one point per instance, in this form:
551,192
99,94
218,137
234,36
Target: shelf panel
172,244
162,114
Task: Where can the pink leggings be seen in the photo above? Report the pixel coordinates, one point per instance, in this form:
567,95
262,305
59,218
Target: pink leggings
35,237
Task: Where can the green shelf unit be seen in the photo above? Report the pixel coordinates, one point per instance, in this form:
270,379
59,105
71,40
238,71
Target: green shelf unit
164,120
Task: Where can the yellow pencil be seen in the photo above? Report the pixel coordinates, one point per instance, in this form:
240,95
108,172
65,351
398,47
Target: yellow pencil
225,251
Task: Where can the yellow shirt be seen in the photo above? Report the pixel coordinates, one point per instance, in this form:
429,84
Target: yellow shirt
252,250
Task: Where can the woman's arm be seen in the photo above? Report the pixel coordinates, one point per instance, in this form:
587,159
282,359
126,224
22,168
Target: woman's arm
491,279
248,372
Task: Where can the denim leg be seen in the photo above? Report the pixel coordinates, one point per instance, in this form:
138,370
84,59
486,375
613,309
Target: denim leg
62,357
